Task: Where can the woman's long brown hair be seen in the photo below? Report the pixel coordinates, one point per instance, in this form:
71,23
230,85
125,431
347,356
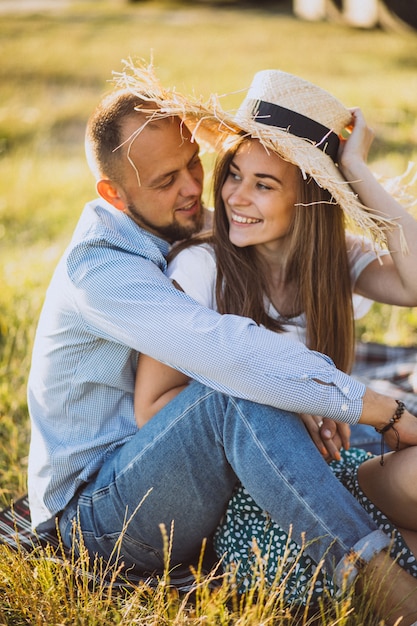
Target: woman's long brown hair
317,268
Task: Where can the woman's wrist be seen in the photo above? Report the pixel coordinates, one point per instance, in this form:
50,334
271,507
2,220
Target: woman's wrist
353,169
377,409
399,411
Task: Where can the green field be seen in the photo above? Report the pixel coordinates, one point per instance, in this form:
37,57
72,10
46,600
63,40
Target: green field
55,65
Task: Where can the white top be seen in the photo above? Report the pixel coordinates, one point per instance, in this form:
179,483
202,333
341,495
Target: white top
195,270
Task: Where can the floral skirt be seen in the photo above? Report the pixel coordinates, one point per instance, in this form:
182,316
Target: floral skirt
254,547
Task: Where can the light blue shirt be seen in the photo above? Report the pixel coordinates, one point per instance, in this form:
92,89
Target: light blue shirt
109,300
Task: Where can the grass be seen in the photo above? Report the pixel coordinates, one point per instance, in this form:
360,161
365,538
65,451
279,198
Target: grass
55,65
39,589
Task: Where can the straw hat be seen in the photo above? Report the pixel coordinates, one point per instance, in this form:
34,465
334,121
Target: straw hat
288,115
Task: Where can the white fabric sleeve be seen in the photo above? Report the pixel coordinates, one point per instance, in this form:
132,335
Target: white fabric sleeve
360,254
194,269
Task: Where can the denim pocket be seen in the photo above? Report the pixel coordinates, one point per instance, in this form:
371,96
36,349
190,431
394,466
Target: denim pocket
126,551
115,548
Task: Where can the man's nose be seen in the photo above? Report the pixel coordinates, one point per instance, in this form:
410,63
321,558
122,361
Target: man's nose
191,185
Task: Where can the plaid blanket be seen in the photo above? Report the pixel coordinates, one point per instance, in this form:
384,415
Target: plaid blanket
15,528
390,370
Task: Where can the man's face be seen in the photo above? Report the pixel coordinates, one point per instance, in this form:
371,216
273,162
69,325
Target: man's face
163,179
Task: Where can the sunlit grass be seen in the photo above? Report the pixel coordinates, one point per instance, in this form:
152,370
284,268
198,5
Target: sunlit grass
55,66
57,588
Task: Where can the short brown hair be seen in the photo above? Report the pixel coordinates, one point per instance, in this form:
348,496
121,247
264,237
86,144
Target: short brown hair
104,133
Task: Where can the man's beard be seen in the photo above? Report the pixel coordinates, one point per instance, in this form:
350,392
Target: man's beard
171,232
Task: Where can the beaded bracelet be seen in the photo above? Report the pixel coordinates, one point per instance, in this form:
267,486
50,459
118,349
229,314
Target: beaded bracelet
391,424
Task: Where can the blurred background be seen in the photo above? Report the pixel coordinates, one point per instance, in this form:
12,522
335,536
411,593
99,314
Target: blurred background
57,59
391,14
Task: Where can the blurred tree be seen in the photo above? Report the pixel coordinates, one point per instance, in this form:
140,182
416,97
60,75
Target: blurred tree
361,13
405,10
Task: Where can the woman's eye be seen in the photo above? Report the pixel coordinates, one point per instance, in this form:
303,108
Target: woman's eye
263,186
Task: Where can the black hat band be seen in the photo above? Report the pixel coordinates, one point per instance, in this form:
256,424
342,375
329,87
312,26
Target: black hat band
297,124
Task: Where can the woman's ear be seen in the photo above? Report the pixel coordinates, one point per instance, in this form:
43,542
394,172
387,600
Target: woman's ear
110,192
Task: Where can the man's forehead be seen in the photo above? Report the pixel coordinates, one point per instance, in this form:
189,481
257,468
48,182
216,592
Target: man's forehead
141,122
158,148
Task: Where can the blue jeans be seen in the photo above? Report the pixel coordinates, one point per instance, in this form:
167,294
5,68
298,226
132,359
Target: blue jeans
366,437
182,467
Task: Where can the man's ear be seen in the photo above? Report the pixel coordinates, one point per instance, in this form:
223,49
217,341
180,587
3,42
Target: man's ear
110,192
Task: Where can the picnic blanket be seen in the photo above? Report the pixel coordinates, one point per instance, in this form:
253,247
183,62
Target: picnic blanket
390,370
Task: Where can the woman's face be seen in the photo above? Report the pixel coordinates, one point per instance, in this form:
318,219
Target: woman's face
259,195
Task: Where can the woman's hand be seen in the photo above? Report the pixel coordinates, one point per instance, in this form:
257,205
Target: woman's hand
329,436
353,151
392,279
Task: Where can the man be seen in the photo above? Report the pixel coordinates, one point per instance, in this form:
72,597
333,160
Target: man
110,300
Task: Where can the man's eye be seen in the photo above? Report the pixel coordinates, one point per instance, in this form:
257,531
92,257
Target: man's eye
167,184
196,162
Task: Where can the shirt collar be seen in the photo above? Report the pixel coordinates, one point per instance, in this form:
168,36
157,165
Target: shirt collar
129,226
162,245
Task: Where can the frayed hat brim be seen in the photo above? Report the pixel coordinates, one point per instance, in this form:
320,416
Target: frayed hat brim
212,128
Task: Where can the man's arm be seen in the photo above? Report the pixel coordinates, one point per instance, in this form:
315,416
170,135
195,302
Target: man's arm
128,299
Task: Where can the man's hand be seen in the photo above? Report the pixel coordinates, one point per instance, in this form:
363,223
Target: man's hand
328,435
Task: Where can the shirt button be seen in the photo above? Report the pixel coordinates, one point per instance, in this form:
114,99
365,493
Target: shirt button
344,407
345,390
304,377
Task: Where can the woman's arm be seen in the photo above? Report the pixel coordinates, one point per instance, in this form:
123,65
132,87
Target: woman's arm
156,384
392,279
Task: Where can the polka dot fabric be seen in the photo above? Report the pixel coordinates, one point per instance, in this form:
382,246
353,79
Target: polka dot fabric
254,547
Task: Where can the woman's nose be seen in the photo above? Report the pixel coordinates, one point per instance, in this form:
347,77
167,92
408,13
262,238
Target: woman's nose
238,196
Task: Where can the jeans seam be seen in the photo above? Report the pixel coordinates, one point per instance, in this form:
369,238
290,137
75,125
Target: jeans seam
283,478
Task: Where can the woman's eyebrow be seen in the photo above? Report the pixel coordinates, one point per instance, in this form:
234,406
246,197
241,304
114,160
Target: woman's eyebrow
258,174
277,180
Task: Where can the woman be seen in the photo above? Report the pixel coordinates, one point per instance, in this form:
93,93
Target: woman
281,255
